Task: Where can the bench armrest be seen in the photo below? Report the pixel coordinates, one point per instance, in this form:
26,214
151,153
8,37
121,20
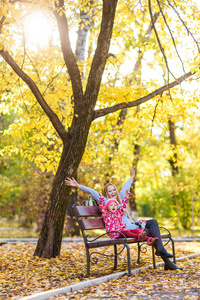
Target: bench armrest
166,230
169,237
105,234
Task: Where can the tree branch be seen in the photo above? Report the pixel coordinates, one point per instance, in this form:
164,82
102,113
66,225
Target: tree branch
184,24
68,55
36,92
170,32
159,42
101,53
146,38
114,108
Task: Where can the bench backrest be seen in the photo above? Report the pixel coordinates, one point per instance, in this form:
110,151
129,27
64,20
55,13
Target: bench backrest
89,217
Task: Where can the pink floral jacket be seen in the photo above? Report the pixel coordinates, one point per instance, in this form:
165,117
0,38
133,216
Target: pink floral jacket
113,221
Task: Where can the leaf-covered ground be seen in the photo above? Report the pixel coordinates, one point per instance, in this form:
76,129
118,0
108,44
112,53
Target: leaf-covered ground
149,284
22,274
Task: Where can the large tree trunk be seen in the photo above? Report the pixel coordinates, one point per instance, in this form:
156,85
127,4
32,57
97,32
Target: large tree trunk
72,227
49,243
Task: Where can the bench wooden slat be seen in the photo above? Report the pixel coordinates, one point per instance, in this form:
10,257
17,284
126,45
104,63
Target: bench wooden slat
111,242
89,224
165,235
88,211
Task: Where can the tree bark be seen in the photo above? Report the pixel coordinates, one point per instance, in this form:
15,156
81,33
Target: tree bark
71,227
173,159
49,242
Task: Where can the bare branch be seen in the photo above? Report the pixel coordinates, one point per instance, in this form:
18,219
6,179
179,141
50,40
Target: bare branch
173,41
36,92
1,22
52,79
154,113
107,56
184,24
159,43
147,38
137,66
114,108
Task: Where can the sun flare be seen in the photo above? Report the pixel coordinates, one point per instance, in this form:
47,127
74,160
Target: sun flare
37,30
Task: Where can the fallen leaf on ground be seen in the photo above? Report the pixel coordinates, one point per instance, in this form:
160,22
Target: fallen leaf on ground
22,274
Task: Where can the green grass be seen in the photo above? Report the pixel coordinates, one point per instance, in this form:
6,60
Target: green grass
18,234
167,223
12,229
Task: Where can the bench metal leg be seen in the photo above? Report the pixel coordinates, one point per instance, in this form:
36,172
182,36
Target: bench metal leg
153,256
88,261
128,259
115,257
138,260
173,251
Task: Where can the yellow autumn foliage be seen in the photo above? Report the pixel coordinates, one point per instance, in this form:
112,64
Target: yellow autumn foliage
37,139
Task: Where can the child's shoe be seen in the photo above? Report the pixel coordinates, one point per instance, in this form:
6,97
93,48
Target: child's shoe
151,241
142,236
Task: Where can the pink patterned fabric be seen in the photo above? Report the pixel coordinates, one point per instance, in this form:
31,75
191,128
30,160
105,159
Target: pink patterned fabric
113,221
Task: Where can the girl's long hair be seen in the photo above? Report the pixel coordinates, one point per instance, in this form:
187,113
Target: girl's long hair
105,192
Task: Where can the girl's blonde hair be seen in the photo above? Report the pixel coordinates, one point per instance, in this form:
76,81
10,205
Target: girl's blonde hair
105,191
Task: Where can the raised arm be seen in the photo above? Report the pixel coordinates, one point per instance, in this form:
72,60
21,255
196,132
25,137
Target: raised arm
101,203
127,184
123,206
72,182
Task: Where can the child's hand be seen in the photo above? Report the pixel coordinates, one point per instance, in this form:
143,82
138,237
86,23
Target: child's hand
100,194
127,193
132,172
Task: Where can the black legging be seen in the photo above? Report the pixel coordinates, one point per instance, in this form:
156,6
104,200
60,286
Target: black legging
152,229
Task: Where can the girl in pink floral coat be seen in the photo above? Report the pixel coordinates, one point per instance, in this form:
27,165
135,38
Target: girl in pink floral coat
112,216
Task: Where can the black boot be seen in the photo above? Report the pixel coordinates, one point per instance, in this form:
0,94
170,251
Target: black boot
169,265
163,253
166,268
153,230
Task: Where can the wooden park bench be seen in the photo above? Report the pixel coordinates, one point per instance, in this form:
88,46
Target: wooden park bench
89,218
